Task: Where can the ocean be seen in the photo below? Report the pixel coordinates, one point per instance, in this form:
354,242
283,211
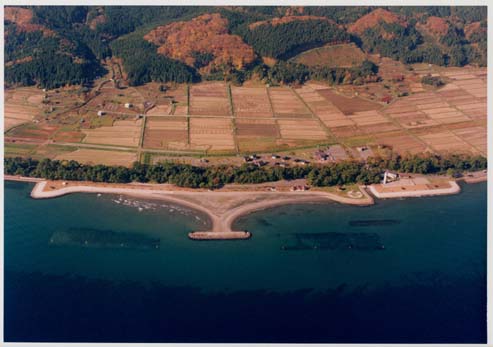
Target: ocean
110,268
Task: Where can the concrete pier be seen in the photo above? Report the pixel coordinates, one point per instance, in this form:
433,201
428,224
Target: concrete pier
219,235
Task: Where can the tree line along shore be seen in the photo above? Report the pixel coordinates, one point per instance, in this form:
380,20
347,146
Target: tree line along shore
183,175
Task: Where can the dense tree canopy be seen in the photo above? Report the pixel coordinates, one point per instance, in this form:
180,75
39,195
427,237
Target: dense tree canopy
182,175
143,64
286,40
68,41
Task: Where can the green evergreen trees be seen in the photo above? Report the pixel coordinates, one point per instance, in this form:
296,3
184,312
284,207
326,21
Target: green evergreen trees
182,175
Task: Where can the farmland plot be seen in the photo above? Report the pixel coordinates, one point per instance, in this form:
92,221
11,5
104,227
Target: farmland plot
256,134
306,129
209,99
330,115
160,110
113,100
372,121
343,55
21,106
257,128
251,102
446,142
476,136
287,105
348,105
94,156
401,143
214,134
33,131
122,133
166,132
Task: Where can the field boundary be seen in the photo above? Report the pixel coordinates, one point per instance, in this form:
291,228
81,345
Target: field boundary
233,117
330,135
276,119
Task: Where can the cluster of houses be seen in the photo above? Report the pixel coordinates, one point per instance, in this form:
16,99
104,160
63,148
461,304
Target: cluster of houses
323,155
103,113
299,188
278,160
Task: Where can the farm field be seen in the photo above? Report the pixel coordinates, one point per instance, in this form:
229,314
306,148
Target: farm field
286,104
166,132
112,101
95,156
400,142
121,133
343,55
22,105
301,129
257,134
209,99
211,134
216,118
251,102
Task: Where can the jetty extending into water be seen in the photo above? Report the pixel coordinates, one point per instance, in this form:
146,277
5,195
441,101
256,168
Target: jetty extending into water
222,207
225,206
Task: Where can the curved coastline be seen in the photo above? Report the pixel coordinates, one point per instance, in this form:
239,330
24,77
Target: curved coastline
222,207
222,221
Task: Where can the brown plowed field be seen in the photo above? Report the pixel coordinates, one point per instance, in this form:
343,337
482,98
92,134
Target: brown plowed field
214,134
209,99
93,156
301,129
286,104
166,132
345,55
251,102
122,133
348,105
400,143
257,128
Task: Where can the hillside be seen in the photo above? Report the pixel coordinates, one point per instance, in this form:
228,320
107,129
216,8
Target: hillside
51,46
202,43
20,20
374,20
282,39
36,53
345,55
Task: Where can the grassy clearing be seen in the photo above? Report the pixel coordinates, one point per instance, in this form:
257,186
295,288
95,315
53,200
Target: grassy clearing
344,55
13,150
343,191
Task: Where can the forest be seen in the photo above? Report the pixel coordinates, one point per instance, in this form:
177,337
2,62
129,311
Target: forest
346,172
75,40
284,41
143,64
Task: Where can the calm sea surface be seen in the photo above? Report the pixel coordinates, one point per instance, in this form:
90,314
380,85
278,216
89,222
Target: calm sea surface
84,268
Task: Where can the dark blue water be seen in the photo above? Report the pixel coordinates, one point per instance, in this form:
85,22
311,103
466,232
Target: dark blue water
85,269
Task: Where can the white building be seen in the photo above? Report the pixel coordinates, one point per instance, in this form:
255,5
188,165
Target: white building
390,177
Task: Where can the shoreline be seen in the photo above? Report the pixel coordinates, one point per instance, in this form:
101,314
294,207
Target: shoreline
454,189
222,207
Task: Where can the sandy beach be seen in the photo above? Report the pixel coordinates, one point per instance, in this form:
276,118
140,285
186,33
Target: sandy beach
224,206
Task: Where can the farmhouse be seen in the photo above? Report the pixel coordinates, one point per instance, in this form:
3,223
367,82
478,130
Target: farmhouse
301,188
322,156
